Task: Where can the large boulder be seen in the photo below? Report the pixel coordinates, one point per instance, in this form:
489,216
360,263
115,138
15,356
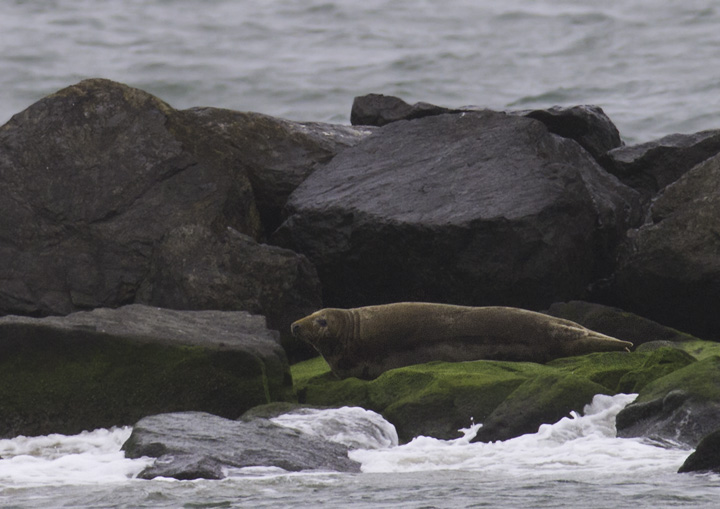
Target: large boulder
110,367
92,177
680,407
670,268
276,154
649,167
470,208
191,445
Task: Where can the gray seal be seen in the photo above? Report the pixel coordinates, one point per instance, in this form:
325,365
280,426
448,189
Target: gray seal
365,342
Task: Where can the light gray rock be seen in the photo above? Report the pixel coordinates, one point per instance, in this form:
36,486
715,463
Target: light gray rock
177,439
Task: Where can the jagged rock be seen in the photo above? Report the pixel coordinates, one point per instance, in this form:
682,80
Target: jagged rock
110,367
177,439
649,167
379,110
92,177
616,322
680,407
473,208
706,457
586,124
195,268
277,154
670,269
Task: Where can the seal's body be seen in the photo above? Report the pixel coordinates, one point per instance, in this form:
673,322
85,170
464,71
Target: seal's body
365,342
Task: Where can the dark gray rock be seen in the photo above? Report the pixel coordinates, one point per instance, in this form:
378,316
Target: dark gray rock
670,269
111,367
277,154
617,323
90,179
379,110
196,268
706,457
649,167
471,208
586,124
205,437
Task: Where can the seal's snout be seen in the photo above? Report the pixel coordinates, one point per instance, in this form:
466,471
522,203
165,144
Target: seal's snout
295,329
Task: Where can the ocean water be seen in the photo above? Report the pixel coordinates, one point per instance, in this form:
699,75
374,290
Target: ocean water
576,462
653,65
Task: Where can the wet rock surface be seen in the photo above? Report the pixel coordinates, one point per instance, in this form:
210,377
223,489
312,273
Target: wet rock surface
472,208
182,442
679,408
706,457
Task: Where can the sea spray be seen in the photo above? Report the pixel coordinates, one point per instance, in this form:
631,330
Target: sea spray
87,458
576,447
354,427
576,461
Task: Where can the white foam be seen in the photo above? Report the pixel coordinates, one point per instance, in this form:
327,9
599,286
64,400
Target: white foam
354,427
575,447
87,458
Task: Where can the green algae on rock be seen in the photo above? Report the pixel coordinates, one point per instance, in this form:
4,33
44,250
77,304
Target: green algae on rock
509,398
680,407
111,367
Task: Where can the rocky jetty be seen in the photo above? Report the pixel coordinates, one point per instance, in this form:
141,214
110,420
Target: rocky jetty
123,220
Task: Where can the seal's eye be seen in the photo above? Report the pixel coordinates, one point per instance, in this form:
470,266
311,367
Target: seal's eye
322,322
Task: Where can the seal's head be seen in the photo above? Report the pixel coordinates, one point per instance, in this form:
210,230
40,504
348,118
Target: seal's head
325,330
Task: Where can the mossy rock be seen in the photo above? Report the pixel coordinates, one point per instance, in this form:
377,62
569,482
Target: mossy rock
606,369
658,364
700,380
112,367
439,398
682,406
510,398
700,349
543,399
